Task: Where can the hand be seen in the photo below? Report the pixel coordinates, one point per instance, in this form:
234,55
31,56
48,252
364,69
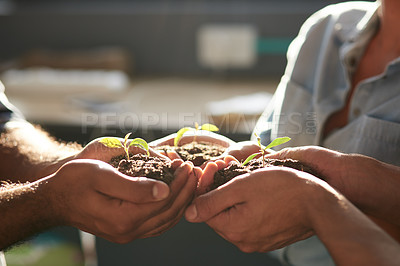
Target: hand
329,165
242,150
94,197
97,150
366,182
201,136
207,178
94,150
261,211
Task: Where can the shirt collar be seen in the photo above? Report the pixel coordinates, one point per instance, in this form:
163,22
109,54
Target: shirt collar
355,39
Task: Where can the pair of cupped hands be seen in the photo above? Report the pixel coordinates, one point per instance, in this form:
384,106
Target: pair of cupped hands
260,211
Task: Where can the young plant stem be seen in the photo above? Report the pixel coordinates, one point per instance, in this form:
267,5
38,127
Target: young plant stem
196,126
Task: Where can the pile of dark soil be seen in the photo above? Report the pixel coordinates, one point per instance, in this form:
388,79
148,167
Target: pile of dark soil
235,169
141,165
195,152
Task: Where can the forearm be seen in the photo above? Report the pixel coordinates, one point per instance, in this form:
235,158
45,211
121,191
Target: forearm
375,187
28,153
350,237
25,211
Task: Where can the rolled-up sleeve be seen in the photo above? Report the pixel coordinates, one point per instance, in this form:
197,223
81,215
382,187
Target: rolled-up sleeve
10,116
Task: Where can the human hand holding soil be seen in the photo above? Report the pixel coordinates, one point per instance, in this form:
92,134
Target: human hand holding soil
104,202
272,197
199,146
243,149
94,150
201,136
273,207
93,196
368,183
97,150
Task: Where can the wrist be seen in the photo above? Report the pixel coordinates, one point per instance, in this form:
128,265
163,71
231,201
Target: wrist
52,212
49,167
321,205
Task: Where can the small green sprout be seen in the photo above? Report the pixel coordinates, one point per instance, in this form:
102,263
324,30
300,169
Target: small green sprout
179,134
275,142
112,142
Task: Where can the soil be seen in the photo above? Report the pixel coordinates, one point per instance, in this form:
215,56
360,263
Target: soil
195,152
235,169
141,165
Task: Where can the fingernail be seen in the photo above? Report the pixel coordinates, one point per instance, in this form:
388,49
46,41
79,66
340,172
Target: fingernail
191,212
160,191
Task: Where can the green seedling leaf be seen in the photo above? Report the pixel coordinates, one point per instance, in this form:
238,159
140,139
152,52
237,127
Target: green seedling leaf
251,157
141,143
111,142
209,127
126,138
276,142
180,133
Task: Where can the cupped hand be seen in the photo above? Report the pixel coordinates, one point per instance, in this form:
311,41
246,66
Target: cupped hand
329,165
97,150
190,136
94,197
207,177
260,211
242,150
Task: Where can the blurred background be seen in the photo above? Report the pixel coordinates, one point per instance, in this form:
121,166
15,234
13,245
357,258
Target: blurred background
89,68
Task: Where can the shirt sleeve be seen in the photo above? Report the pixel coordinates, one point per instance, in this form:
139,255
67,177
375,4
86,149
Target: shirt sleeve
10,116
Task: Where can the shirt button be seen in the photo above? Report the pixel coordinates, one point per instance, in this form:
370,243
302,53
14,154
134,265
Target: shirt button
356,112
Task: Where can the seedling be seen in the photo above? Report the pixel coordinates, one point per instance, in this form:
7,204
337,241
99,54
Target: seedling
179,134
275,142
112,142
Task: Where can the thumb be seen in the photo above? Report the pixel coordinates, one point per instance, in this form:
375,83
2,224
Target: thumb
132,189
214,202
286,153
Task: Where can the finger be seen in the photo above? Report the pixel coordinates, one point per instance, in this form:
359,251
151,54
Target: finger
198,172
159,154
173,155
176,163
160,223
229,159
163,153
99,151
144,212
207,178
221,164
181,176
212,203
132,189
283,154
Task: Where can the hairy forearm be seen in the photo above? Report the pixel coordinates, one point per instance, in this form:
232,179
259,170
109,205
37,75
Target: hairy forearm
376,187
25,210
28,153
350,237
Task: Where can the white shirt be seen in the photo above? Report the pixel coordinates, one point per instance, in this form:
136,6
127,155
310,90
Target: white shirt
321,62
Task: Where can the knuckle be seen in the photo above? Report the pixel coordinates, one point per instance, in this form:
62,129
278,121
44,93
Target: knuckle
170,217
